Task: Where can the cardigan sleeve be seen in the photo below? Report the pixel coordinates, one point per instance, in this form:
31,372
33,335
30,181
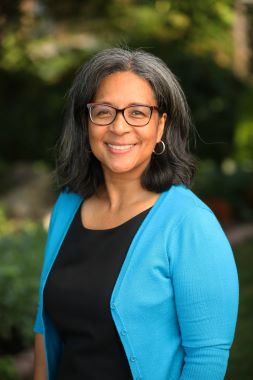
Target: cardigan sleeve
205,285
38,325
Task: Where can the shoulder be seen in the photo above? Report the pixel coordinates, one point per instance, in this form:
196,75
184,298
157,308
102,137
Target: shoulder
67,199
194,223
180,213
188,217
180,203
184,198
65,205
196,235
62,214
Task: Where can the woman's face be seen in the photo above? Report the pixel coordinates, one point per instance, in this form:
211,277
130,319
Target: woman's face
120,147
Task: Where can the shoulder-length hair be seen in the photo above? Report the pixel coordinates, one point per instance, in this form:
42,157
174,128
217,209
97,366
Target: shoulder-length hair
79,170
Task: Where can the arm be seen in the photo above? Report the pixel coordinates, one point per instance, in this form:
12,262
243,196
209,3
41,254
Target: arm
40,362
40,367
62,214
206,294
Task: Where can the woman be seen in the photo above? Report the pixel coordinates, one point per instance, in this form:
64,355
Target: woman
139,281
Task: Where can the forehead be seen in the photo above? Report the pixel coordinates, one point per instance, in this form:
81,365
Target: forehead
125,87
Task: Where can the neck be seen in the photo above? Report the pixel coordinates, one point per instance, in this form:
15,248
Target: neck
123,191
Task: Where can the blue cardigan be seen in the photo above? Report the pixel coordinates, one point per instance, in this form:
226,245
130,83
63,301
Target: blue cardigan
175,301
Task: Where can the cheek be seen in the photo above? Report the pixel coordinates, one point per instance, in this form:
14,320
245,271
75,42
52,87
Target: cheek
96,141
94,135
92,139
151,136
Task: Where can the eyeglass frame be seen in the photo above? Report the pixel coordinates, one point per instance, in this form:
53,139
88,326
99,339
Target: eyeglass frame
122,111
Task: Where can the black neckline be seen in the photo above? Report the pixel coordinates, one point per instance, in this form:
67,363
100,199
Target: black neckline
122,225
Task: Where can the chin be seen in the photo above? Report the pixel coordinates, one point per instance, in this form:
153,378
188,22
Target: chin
121,170
121,167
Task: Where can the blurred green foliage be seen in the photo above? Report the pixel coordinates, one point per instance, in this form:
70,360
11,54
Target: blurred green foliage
240,363
21,247
7,368
40,52
231,183
244,127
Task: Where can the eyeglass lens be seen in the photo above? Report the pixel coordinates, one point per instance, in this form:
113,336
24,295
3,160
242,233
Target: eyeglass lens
134,115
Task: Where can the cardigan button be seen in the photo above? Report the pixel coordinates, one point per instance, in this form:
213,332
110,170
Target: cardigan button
132,359
123,332
113,306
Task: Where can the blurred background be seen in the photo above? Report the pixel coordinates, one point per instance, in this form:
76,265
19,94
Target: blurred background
208,44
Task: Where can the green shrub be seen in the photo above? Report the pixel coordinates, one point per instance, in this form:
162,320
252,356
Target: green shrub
230,182
21,254
240,363
7,369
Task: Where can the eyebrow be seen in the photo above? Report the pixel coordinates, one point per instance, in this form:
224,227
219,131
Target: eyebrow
129,105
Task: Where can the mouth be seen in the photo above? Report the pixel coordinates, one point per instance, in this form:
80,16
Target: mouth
120,148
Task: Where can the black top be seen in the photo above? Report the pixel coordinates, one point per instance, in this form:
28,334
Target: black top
77,299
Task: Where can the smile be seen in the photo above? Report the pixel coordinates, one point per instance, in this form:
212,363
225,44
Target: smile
120,148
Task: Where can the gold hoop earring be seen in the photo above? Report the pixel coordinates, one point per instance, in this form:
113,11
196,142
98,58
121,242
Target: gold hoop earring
163,148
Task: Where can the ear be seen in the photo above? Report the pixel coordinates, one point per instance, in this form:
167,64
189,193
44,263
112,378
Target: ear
161,126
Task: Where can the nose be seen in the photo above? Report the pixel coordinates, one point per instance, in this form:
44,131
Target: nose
119,125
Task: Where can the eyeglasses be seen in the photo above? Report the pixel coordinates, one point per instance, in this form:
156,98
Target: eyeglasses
137,115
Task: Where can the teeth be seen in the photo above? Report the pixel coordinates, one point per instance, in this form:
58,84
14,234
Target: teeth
120,147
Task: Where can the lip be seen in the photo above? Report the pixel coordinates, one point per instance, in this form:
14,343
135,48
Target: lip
120,148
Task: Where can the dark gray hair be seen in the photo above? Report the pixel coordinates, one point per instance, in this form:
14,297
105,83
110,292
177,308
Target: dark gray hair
78,169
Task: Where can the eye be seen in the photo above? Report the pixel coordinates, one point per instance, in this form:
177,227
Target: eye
139,112
102,112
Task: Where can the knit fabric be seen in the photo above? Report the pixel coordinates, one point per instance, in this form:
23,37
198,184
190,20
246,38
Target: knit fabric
77,299
175,300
